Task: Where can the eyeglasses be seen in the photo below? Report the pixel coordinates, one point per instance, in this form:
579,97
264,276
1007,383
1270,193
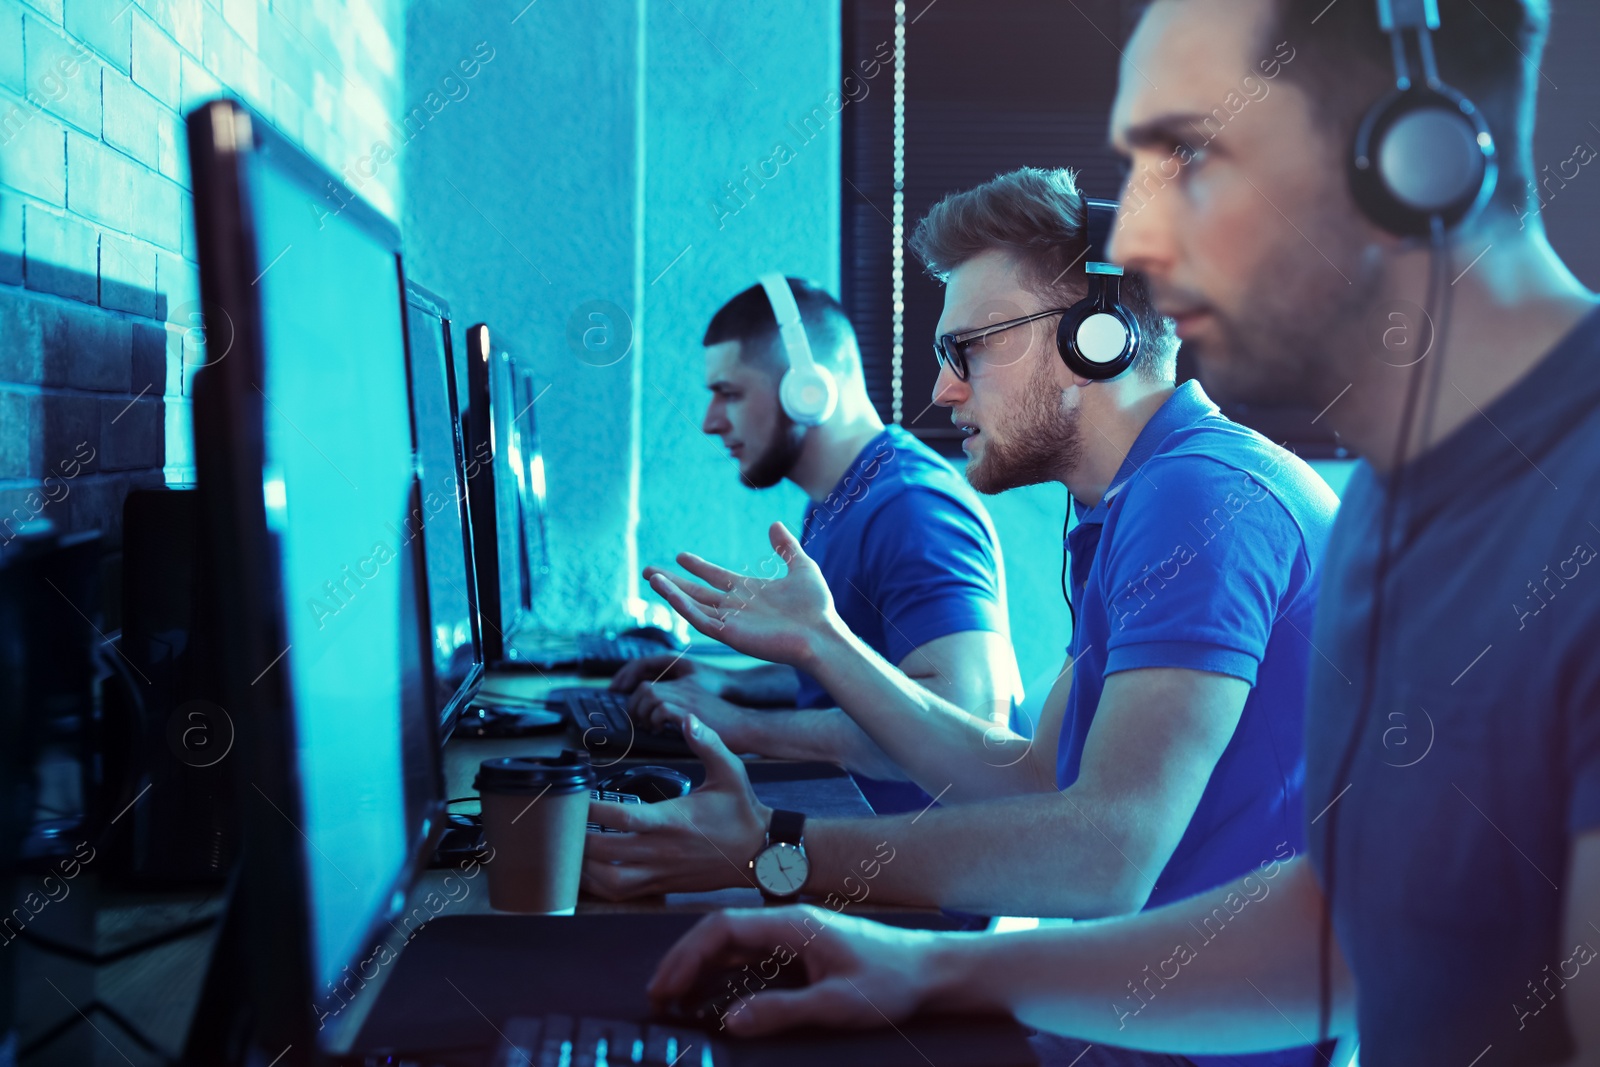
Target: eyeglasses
951,348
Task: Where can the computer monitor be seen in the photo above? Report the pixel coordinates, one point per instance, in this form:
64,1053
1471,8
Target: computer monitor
442,523
498,450
304,447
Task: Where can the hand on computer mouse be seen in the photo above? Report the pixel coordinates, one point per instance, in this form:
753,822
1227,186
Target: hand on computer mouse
788,619
666,705
669,667
719,992
857,973
683,845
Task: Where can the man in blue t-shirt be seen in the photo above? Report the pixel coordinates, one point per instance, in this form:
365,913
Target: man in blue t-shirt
1448,911
1169,755
903,542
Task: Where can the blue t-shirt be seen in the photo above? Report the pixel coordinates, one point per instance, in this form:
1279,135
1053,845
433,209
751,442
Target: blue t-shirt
1479,754
1204,555
909,555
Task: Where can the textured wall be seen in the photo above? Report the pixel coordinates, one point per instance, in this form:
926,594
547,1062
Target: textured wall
754,189
583,168
97,275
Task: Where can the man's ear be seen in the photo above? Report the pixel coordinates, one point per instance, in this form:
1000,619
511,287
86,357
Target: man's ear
1063,373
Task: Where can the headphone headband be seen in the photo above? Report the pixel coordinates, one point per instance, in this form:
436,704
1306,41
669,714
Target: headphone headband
1397,15
1099,216
790,329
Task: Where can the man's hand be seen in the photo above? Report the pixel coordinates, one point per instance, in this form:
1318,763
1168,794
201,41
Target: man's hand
699,842
781,620
859,974
670,667
661,705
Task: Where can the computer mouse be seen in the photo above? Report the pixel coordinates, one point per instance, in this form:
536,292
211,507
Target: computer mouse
499,720
665,638
650,784
721,991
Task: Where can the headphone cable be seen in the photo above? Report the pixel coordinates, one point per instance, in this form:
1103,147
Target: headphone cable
1437,301
1065,595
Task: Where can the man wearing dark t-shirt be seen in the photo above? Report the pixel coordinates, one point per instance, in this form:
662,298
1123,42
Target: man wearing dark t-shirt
1449,910
905,545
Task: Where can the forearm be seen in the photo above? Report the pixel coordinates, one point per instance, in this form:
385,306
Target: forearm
824,735
948,750
1205,975
1055,854
768,684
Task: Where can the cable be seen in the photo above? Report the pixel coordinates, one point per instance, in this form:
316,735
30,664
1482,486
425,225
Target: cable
1071,611
1436,303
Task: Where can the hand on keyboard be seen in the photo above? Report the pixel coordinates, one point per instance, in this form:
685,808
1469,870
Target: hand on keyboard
658,706
669,667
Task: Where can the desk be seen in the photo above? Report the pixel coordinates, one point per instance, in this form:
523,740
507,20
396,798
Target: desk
158,990
455,892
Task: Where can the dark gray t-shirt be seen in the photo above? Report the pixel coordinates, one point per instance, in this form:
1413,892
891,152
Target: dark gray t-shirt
1479,757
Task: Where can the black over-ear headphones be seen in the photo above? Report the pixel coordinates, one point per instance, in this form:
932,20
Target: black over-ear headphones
1099,338
1424,151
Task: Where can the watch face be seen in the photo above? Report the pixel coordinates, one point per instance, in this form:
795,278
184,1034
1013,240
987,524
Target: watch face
781,869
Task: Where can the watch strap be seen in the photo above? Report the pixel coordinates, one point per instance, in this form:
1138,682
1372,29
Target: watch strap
786,826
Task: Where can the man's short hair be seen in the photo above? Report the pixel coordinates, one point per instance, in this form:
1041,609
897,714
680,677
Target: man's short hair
1037,217
748,318
1487,49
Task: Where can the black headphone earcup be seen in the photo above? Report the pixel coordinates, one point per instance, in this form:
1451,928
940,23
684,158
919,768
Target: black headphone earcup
1422,153
1097,340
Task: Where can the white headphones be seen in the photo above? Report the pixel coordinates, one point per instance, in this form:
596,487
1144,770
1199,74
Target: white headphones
807,392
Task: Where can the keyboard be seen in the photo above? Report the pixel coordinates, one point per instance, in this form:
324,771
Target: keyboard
608,731
568,1041
594,655
603,656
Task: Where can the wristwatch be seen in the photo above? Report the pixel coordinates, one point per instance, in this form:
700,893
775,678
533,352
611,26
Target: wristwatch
781,867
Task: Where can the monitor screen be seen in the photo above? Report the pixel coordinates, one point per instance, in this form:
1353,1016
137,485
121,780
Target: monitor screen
339,487
441,521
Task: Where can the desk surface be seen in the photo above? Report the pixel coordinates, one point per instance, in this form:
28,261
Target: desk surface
450,891
831,792
160,988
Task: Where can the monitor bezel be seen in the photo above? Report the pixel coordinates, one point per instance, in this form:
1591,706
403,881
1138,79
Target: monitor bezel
229,431
500,620
424,300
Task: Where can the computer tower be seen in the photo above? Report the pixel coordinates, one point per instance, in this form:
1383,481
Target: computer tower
184,827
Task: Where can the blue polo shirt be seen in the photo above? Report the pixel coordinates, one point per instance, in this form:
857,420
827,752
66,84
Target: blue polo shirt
909,555
1477,760
1204,555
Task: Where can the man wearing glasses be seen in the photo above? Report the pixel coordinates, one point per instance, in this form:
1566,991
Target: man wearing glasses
1168,755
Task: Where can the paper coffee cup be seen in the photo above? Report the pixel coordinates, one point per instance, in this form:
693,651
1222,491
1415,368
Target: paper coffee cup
535,811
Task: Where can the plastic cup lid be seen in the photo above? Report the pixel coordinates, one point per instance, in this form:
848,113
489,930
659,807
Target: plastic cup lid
530,775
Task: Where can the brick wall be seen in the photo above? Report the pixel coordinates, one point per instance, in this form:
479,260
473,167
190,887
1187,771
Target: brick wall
99,336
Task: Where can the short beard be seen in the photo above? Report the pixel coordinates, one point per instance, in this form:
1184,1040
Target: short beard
777,457
1045,440
1307,334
